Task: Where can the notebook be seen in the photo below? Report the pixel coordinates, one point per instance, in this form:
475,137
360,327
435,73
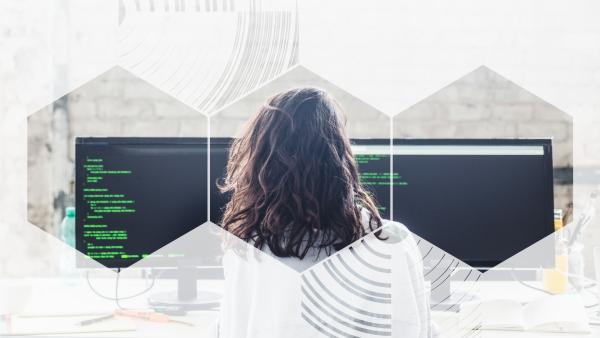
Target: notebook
556,313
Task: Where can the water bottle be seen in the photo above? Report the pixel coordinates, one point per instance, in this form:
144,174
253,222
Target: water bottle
67,227
67,235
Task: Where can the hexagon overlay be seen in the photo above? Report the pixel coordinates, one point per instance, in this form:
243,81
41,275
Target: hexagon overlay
483,104
115,104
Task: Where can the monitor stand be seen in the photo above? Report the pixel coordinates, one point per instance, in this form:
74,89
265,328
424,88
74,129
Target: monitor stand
187,297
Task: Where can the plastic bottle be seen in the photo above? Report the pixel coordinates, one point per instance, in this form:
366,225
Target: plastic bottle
67,227
67,235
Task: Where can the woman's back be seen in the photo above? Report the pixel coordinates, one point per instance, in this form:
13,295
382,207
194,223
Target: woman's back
266,296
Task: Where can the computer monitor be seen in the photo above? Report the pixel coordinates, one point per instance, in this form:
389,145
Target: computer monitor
135,195
481,201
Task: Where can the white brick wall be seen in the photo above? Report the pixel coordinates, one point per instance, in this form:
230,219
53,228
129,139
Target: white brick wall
363,121
102,107
483,104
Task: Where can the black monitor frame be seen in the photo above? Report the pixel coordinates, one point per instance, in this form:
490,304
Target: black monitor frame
85,262
545,143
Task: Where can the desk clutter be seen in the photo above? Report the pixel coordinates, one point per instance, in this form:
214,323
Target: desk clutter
119,320
551,313
23,325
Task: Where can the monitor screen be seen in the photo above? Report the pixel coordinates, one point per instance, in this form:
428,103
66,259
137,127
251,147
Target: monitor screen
481,201
135,195
374,170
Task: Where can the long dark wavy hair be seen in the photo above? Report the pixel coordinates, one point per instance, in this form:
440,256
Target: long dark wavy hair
293,180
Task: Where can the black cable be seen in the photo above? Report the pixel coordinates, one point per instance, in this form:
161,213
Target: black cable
116,298
117,290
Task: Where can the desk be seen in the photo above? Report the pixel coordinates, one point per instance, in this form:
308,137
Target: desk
508,290
59,296
54,296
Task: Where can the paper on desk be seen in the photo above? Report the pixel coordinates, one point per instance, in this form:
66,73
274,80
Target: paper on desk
558,313
22,325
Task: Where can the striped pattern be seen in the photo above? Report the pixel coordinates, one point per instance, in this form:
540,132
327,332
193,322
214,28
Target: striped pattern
236,47
349,294
439,268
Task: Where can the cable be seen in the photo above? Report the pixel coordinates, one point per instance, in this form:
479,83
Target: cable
117,298
117,290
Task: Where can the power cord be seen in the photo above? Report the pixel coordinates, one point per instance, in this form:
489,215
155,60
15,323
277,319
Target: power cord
116,298
117,290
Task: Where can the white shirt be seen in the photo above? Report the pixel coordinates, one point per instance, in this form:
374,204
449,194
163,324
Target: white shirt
347,294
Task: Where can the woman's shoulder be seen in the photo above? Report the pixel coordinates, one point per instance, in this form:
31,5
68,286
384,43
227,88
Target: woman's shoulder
393,227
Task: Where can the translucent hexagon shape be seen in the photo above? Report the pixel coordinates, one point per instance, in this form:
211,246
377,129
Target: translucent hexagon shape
368,128
483,105
116,105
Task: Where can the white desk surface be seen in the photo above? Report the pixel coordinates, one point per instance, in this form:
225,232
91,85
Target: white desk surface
54,296
517,292
73,296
